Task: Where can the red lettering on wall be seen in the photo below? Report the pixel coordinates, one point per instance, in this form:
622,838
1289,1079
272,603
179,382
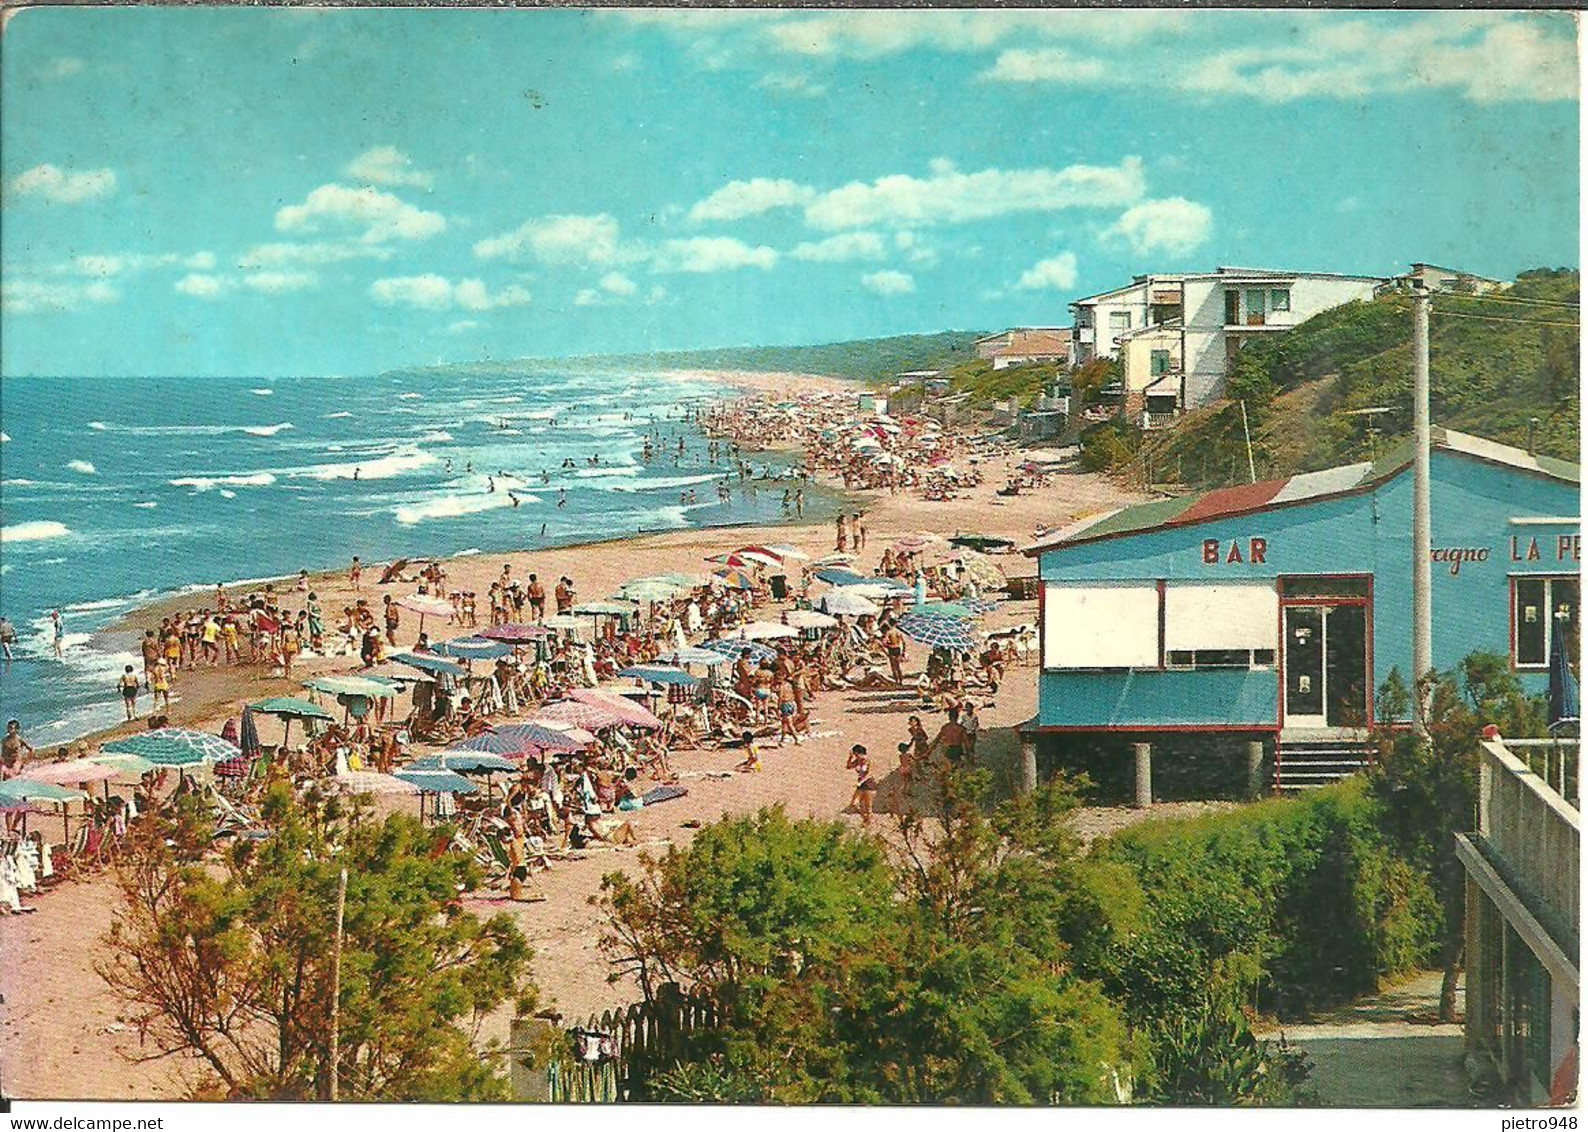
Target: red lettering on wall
1235,553
1515,557
1562,547
1210,551
1532,550
1259,550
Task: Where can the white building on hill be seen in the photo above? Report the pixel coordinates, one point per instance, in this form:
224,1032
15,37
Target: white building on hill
1212,314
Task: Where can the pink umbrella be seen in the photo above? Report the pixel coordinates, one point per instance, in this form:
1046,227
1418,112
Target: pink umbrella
426,606
588,716
620,706
71,773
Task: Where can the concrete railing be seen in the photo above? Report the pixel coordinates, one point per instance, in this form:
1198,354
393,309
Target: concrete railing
1532,829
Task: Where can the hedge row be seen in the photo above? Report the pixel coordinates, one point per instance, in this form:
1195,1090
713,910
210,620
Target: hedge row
1300,902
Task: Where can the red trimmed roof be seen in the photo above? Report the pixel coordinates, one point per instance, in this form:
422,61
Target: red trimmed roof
1224,500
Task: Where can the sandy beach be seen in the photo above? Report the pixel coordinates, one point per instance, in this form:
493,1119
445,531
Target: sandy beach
60,1035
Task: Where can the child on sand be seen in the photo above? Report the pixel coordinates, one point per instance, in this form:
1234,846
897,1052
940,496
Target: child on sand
865,783
752,757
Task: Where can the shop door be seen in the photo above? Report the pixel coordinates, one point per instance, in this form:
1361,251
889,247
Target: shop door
1325,666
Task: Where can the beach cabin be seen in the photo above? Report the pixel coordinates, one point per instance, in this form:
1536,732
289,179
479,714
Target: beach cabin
1253,623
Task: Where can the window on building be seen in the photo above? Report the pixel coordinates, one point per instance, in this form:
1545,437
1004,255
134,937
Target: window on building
1220,658
1160,362
1220,626
1232,308
1279,299
1119,320
1101,626
1537,605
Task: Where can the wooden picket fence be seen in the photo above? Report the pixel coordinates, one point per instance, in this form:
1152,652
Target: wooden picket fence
648,1038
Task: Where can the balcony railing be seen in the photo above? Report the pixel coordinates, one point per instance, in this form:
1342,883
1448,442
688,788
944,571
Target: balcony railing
1531,829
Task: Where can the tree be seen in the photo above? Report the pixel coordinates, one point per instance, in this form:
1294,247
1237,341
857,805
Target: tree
230,962
1429,790
846,973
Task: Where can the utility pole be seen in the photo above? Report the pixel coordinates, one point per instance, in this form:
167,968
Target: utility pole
1251,467
336,983
1422,527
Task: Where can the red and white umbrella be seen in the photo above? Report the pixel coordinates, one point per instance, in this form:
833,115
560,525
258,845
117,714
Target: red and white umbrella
626,710
426,606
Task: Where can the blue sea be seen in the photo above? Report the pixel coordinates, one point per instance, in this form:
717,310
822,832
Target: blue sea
114,492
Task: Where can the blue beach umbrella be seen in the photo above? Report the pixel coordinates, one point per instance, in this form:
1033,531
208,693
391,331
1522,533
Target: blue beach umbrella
175,746
511,739
436,664
433,780
464,762
1565,702
473,648
734,649
26,790
939,632
658,674
837,576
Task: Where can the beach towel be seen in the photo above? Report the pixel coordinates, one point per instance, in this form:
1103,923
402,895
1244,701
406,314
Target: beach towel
663,794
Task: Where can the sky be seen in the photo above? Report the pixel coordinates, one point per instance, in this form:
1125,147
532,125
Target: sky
262,192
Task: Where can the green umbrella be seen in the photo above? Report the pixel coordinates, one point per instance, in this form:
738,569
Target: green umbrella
175,746
26,790
351,686
945,609
131,766
290,707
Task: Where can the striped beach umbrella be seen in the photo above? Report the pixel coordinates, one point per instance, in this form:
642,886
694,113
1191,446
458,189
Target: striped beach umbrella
473,648
735,580
175,746
734,649
938,632
514,634
945,609
660,674
517,740
617,705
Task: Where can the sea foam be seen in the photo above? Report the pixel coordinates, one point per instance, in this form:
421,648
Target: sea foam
207,483
453,506
34,531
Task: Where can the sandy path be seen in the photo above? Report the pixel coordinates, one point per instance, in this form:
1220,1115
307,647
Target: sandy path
58,1028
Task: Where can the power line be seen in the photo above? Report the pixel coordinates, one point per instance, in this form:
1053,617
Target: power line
1508,321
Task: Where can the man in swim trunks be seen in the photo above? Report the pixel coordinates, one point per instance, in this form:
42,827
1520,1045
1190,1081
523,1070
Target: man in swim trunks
128,684
14,750
151,654
537,598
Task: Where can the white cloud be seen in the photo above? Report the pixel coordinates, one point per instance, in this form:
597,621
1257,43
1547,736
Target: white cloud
1050,65
202,286
462,326
587,297
1174,226
200,261
278,282
948,196
36,296
63,186
436,292
888,282
704,254
1055,273
790,83
387,165
616,283
381,216
842,248
559,239
872,34
316,253
738,199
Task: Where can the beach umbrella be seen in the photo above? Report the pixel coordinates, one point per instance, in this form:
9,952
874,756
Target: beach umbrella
435,781
175,746
426,606
605,609
464,762
129,766
473,648
624,709
939,632
980,542
373,782
1565,702
70,773
735,580
659,674
575,733
766,631
729,558
809,619
838,576
425,663
981,604
290,707
734,649
881,589
32,790
689,581
982,570
848,603
351,686
911,543
515,634
517,739
248,735
563,621
834,560
693,655
760,555
945,609
648,589
588,716
789,553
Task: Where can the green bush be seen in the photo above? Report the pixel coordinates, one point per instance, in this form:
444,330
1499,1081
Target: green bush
1299,901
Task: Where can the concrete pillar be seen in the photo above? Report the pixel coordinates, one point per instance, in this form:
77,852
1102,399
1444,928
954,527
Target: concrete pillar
1255,786
1028,764
1143,775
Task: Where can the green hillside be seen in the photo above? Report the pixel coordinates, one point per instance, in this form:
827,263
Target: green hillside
866,359
1495,362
